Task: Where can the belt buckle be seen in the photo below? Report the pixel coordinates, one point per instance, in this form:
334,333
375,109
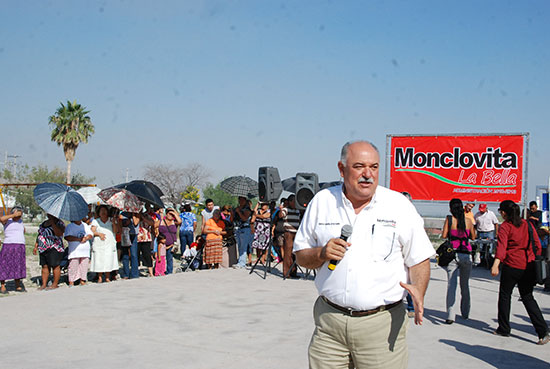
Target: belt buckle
353,312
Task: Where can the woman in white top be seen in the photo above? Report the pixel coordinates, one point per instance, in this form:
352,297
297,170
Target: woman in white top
12,254
104,253
77,234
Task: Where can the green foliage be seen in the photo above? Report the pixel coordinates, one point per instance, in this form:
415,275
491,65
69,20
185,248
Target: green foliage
191,193
24,195
219,196
71,125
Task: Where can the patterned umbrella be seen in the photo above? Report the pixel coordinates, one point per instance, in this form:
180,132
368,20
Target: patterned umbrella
121,199
145,191
90,195
60,201
240,186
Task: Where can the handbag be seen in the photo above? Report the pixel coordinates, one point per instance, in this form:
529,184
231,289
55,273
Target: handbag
541,272
445,252
125,239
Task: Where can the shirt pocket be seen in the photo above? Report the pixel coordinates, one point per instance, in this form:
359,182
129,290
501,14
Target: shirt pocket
384,243
326,232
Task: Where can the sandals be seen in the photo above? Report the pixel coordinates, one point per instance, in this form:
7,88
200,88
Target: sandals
544,340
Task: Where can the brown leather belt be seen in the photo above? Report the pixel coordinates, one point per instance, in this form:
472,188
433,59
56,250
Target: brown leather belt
355,313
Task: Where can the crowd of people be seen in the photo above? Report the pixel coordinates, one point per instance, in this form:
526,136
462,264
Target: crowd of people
516,249
112,244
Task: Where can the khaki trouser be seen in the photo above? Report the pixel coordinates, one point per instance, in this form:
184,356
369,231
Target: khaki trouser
376,341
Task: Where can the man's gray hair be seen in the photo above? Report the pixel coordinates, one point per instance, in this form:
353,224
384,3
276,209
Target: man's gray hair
344,152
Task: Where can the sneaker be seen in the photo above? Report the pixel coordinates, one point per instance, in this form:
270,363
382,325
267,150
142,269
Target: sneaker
410,314
544,340
449,321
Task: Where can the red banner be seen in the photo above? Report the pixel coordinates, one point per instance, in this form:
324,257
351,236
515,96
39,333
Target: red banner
471,168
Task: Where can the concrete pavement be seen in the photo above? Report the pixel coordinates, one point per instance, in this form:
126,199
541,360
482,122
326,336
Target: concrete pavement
230,319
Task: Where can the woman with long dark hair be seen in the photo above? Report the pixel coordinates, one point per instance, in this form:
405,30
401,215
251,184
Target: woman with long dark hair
462,229
515,253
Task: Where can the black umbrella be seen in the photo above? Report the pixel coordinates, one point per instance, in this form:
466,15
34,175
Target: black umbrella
145,190
289,184
240,186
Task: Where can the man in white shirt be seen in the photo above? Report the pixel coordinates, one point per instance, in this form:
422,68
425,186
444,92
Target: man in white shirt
486,223
359,315
207,212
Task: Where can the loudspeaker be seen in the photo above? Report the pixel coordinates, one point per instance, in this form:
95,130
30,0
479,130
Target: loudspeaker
307,185
269,184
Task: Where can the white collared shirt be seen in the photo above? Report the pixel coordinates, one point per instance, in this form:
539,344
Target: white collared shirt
485,222
388,237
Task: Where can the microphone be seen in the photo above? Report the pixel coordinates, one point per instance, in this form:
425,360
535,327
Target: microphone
344,234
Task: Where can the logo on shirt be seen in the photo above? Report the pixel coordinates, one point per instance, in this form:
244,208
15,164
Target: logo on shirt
387,222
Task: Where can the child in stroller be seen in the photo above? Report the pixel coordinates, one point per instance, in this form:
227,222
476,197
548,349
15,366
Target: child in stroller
192,257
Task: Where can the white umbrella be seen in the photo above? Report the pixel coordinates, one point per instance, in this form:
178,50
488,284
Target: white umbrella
90,195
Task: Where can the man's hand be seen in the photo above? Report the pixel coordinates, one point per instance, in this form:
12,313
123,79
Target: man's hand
334,249
420,276
418,302
315,257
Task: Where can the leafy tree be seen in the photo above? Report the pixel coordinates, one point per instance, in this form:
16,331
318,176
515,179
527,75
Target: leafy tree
71,125
39,174
191,193
219,196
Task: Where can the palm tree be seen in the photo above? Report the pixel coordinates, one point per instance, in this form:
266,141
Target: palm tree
71,125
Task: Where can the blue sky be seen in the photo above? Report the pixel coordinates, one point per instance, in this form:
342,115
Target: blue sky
235,85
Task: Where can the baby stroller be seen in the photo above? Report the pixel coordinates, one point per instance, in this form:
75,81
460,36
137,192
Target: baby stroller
192,257
64,264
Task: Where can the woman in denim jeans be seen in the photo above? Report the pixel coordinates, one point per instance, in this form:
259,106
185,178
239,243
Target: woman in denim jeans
462,229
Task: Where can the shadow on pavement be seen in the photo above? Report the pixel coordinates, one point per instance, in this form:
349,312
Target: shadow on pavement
502,359
489,329
436,317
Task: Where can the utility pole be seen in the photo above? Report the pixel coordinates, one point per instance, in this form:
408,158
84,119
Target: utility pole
127,174
14,157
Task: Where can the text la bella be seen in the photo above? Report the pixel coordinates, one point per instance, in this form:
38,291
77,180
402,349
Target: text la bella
492,159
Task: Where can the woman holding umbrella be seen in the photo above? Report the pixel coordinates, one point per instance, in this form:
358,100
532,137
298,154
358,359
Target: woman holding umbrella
12,256
104,252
